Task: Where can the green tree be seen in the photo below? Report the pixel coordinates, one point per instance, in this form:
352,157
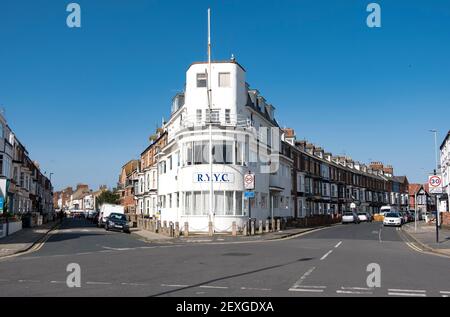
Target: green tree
107,197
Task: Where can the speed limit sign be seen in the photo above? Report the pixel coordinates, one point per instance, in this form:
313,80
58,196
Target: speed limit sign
435,183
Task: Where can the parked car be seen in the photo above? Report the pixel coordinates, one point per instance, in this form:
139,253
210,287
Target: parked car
117,222
95,219
364,217
106,210
393,219
350,217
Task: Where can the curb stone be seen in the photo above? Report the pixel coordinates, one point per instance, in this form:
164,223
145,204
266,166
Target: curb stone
44,235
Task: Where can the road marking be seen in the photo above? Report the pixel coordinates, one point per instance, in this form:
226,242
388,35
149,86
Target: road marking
213,287
304,276
306,290
57,282
406,290
379,235
255,289
98,283
354,292
166,285
28,281
338,245
445,292
326,255
134,284
357,288
407,294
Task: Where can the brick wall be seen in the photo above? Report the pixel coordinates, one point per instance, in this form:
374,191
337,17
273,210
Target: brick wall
446,219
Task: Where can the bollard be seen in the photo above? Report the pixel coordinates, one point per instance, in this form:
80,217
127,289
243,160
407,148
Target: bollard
252,226
273,225
260,228
267,226
244,230
177,229
233,229
171,230
210,229
278,225
158,226
186,229
164,230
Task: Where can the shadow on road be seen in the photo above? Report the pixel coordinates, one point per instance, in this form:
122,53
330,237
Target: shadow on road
232,276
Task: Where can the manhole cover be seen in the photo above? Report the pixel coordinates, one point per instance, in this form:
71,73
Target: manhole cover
236,254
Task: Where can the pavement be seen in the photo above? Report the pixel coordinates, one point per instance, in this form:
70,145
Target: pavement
425,237
25,239
337,261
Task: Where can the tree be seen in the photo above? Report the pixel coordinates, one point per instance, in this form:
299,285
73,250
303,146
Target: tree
107,197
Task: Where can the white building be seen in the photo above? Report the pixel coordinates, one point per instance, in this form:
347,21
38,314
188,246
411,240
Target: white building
237,114
445,168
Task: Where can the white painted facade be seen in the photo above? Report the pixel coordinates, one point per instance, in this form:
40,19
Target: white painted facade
183,165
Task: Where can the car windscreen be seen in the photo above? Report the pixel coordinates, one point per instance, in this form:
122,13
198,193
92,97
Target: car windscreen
392,215
117,217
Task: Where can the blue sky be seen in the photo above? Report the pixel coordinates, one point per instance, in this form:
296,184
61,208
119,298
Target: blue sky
84,101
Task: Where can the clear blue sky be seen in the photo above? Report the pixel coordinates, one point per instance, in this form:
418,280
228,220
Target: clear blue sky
84,101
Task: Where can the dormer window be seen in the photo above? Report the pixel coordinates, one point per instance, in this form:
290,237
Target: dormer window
201,80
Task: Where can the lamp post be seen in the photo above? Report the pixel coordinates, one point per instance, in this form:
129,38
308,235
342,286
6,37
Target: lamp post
435,173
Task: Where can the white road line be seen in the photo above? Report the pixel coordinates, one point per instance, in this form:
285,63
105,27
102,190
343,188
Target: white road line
98,283
213,287
28,281
134,284
326,255
57,282
445,292
357,288
304,276
379,235
318,287
338,245
255,289
406,290
354,292
407,294
166,285
306,290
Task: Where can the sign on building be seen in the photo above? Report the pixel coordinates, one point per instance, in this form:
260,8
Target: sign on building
435,184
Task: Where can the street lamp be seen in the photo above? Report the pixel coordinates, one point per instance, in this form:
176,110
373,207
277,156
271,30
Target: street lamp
435,173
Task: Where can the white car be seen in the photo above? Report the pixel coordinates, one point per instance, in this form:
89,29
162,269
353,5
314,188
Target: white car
363,217
350,217
393,219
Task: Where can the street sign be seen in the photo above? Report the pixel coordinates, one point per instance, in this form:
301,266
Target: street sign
353,206
435,184
249,181
249,195
2,202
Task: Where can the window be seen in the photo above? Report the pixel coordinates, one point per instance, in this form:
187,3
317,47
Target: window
214,116
201,153
1,165
239,203
188,149
197,204
199,116
219,203
169,197
201,80
178,200
229,203
227,116
224,80
170,162
239,153
223,152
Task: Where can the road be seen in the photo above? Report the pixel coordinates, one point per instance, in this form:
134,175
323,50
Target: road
329,262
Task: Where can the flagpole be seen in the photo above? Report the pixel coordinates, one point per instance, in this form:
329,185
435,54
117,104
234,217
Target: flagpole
211,195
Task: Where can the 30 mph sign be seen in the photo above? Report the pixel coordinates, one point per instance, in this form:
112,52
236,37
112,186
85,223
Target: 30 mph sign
435,183
249,181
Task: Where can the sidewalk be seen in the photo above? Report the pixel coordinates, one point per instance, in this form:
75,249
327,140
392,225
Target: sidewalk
426,237
220,238
25,239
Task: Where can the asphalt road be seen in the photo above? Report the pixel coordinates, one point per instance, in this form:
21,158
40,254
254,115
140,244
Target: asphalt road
329,262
